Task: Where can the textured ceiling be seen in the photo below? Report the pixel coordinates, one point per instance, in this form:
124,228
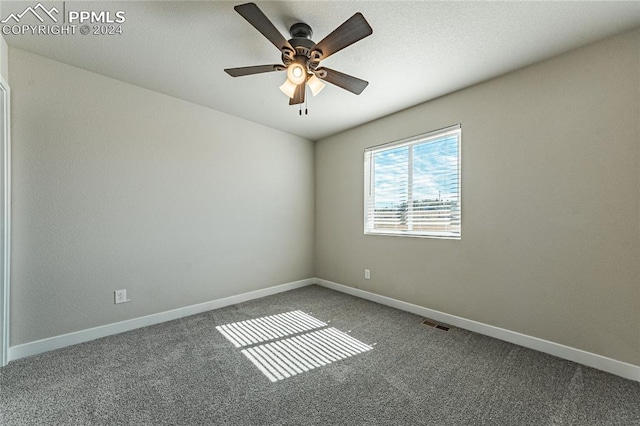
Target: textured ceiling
418,51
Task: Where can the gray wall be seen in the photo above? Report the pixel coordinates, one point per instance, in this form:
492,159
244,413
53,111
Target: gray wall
4,58
551,204
115,186
4,54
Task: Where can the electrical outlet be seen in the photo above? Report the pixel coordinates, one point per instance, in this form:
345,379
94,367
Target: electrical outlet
120,296
367,274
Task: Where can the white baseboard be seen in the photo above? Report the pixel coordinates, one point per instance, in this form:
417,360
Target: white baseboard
57,342
619,368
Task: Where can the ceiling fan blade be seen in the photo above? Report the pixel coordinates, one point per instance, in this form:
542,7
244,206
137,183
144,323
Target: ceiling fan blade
346,81
298,96
255,17
352,30
258,69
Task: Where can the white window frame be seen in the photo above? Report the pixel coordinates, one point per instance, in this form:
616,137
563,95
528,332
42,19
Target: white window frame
369,189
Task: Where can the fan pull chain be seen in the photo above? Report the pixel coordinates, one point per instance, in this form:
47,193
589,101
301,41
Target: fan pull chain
306,104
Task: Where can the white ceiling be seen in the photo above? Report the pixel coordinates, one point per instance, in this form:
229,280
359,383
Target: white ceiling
418,51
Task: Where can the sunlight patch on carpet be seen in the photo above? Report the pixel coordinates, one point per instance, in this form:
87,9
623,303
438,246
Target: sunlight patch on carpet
288,357
273,327
295,343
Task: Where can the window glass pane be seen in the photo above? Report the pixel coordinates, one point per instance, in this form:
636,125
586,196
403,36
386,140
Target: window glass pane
390,188
435,185
412,187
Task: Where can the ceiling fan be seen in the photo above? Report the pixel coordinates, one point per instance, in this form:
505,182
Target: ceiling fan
301,56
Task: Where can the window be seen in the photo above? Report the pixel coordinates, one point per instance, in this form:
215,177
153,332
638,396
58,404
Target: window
412,186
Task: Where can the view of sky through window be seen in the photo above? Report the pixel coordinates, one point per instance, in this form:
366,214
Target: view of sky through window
412,187
433,162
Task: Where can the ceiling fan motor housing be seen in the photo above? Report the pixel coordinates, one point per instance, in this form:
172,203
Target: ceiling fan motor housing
301,34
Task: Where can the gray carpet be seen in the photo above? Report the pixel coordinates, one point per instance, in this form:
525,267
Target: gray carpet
185,372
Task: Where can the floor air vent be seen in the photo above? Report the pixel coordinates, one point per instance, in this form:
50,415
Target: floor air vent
432,323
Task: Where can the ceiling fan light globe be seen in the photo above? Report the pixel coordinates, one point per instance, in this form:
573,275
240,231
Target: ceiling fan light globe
288,88
315,84
296,73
